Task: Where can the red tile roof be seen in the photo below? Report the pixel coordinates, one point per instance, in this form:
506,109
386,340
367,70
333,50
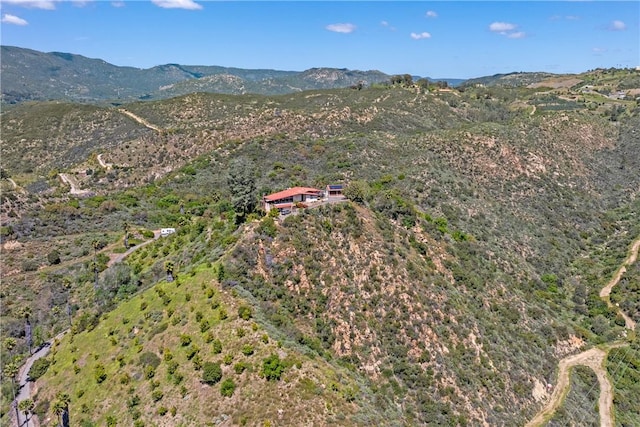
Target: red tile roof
290,192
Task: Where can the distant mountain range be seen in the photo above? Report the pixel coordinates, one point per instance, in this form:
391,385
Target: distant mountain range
31,75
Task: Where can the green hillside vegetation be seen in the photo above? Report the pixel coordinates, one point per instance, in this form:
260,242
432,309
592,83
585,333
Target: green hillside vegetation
191,352
467,263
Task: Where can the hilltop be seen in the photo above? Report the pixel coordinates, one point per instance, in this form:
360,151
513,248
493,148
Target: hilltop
481,225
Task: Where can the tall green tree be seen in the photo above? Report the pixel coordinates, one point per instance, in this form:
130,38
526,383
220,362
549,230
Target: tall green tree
241,180
27,406
127,229
66,283
25,312
95,245
169,268
10,371
60,409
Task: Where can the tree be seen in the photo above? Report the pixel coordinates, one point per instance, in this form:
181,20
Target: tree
95,245
25,312
357,191
27,406
66,283
227,387
10,371
61,409
126,228
169,268
241,180
9,343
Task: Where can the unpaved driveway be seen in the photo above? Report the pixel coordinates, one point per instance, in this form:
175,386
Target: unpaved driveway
116,258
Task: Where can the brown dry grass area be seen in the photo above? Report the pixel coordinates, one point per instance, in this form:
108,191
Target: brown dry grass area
557,82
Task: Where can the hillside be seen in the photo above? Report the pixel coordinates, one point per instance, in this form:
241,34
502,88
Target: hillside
481,227
29,75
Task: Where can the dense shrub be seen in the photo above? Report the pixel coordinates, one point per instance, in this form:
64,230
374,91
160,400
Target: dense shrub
38,368
149,359
272,367
227,387
211,373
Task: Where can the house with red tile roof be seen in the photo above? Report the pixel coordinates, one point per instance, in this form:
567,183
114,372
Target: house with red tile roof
288,198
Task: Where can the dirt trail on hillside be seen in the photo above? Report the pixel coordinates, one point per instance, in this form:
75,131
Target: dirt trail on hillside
107,166
116,258
71,181
594,358
140,120
606,291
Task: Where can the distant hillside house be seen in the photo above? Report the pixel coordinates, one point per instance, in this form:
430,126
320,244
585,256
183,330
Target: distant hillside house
286,199
335,190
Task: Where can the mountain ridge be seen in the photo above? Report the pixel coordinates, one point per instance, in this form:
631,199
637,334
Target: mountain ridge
32,75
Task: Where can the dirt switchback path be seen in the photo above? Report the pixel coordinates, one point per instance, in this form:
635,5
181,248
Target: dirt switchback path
594,358
606,291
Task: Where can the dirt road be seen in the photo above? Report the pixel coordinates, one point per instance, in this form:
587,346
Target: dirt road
24,391
594,358
140,120
116,258
107,166
606,291
71,181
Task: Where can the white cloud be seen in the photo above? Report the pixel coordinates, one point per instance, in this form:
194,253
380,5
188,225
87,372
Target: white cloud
117,4
599,50
177,4
341,28
33,4
387,25
420,36
507,29
12,19
431,14
517,35
617,26
502,27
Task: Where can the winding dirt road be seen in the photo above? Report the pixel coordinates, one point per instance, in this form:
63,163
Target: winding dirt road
606,291
107,166
594,358
73,184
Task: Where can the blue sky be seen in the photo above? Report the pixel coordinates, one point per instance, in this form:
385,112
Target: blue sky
452,39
